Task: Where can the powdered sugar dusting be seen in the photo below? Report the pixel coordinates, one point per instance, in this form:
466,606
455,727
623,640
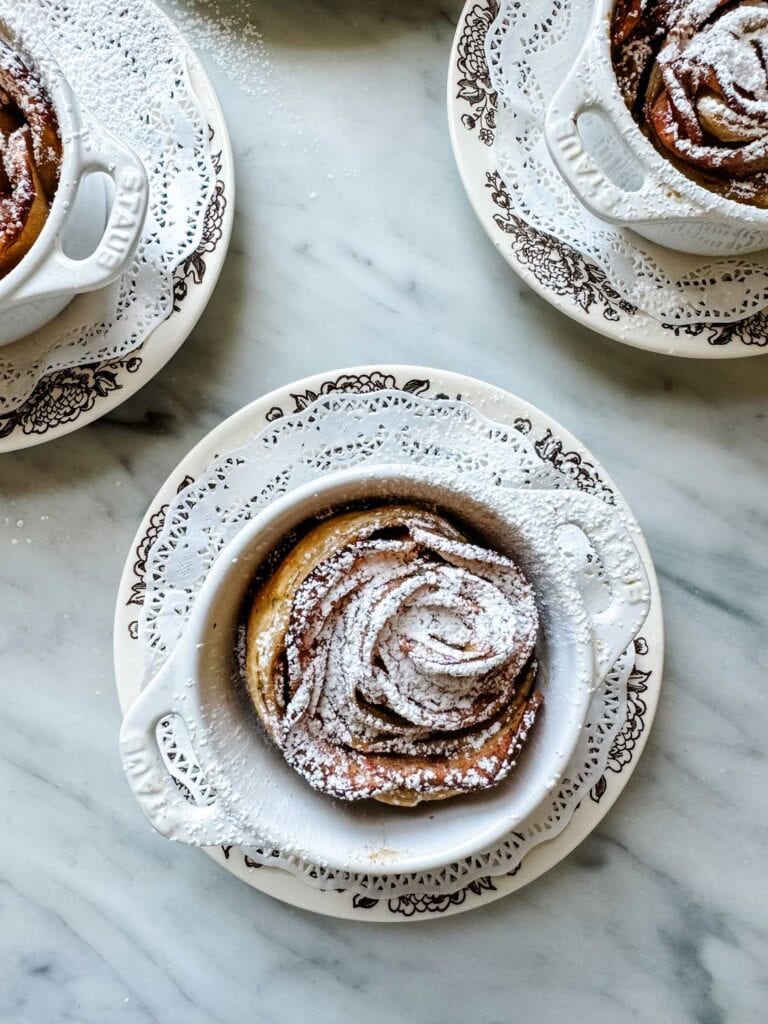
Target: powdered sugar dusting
695,75
669,286
406,666
30,156
228,36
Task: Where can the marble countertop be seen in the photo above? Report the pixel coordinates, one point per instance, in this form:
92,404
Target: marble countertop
353,243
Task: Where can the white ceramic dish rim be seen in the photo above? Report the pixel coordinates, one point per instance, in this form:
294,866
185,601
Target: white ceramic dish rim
474,161
349,841
168,337
281,884
591,84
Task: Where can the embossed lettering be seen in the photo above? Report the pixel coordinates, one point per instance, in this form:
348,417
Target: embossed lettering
582,164
117,241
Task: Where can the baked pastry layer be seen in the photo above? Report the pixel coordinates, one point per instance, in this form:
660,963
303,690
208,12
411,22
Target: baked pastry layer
30,157
694,74
390,658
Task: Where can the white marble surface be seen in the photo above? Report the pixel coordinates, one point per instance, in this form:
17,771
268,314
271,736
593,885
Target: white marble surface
354,242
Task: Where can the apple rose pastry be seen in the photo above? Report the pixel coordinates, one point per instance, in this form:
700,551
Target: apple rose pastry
30,157
694,75
389,657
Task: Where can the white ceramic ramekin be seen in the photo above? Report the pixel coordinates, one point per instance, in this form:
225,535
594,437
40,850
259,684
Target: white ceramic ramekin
618,174
82,220
588,619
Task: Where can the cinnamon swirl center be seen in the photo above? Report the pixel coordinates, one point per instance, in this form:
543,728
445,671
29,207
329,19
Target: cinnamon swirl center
389,657
694,74
30,157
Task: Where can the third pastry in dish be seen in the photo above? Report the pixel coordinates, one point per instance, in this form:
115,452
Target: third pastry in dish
694,75
389,657
30,157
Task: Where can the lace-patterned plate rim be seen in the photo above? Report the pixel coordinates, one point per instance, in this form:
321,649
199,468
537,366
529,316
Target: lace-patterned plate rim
554,445
561,275
66,400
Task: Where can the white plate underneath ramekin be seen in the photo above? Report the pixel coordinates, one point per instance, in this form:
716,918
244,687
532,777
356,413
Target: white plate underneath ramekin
555,446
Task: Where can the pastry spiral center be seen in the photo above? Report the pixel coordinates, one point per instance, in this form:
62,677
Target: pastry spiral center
392,639
695,75
30,157
389,657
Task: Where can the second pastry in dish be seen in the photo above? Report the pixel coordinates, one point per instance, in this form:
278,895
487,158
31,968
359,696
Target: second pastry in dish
388,657
30,157
694,76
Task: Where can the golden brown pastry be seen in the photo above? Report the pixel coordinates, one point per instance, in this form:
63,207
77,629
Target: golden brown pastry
388,657
694,75
30,157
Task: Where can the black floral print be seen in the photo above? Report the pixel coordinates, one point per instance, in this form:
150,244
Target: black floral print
475,82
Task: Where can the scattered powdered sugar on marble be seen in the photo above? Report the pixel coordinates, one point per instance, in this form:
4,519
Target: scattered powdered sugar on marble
127,65
227,36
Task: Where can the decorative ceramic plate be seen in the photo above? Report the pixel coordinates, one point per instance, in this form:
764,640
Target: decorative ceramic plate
554,446
66,400
559,273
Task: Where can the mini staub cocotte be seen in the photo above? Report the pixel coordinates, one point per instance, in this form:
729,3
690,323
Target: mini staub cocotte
72,196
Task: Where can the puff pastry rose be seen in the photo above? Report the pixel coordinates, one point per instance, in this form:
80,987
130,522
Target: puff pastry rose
390,658
694,75
30,157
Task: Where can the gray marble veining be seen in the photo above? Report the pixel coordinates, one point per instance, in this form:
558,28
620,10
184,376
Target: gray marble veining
355,243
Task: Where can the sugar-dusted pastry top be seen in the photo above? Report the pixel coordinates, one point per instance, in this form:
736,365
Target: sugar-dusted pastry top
388,657
694,74
30,157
